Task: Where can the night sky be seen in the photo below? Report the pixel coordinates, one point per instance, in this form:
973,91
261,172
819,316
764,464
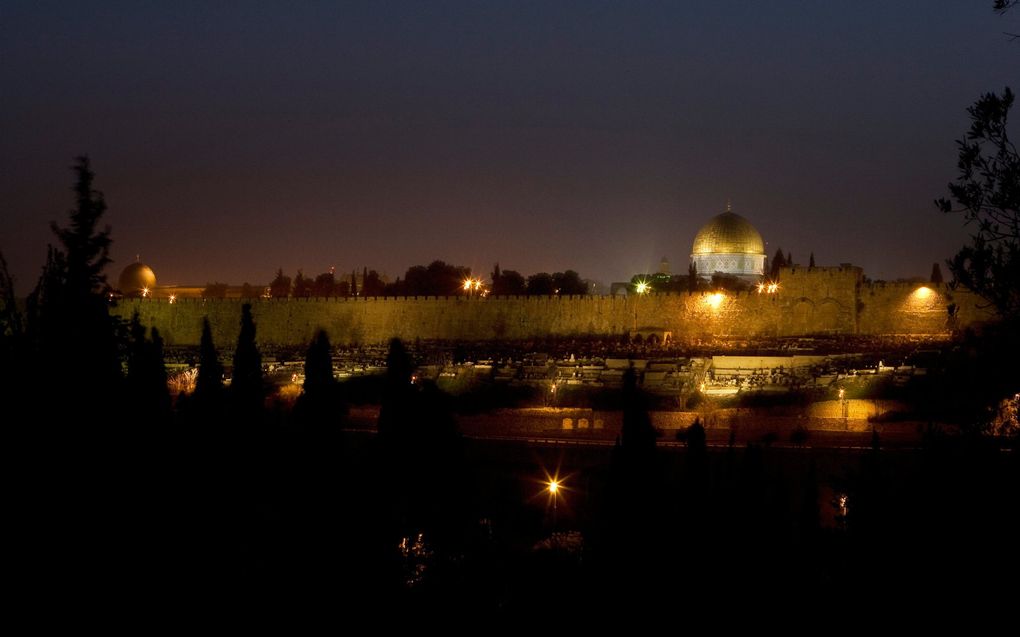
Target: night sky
236,138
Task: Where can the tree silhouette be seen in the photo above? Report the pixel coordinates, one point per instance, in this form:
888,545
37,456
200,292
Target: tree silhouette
811,260
778,261
692,277
325,285
496,276
637,436
11,321
395,408
86,248
279,288
209,384
319,365
302,286
248,291
215,291
987,193
541,284
146,375
246,384
371,283
320,404
354,284
69,321
936,274
508,283
568,283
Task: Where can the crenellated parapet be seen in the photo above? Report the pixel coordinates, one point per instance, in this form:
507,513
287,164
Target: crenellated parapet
806,301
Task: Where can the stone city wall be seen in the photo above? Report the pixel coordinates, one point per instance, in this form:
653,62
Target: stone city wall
808,302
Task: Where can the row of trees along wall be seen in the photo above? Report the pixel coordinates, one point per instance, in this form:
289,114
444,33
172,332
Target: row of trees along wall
809,301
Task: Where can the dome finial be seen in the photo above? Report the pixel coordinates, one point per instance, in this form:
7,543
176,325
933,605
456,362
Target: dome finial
729,207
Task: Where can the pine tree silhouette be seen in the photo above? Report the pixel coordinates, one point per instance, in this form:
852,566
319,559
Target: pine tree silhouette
209,384
246,383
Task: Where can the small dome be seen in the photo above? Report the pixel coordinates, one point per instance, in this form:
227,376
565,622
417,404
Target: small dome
728,233
136,278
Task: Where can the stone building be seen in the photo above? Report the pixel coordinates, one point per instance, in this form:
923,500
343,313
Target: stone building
728,244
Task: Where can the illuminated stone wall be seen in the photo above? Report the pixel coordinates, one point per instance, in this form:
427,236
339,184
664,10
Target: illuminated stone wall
808,302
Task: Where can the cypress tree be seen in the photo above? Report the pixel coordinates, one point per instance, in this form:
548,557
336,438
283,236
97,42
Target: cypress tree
778,261
395,409
637,436
319,379
811,260
320,404
146,373
246,383
209,384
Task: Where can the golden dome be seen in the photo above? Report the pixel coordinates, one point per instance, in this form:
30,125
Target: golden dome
728,233
135,278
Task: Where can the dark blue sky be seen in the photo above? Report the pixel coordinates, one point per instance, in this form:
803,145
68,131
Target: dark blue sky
235,138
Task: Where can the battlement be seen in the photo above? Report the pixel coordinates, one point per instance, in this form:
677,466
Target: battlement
808,301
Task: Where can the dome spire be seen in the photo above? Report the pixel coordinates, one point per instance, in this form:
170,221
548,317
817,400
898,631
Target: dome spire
729,207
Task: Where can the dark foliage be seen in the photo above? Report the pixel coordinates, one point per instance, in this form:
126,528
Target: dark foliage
71,329
541,284
507,282
11,320
248,291
437,279
146,379
637,436
778,261
215,291
209,383
320,408
279,287
693,280
302,286
371,283
569,283
324,285
987,193
247,385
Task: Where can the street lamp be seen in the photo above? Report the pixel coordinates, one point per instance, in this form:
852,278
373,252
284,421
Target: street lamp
554,489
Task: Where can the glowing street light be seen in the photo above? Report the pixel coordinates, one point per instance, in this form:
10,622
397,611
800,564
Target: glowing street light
472,285
145,292
554,490
642,287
